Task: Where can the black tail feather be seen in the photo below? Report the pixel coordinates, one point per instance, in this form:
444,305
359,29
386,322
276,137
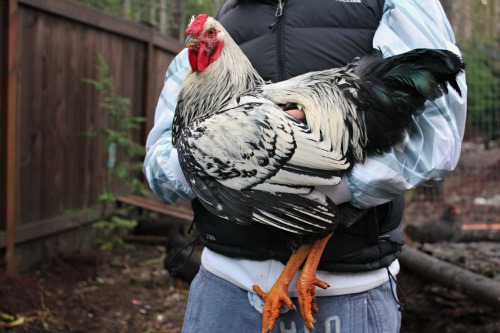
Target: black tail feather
395,88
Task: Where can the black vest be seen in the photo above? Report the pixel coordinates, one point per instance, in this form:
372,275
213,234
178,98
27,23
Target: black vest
281,43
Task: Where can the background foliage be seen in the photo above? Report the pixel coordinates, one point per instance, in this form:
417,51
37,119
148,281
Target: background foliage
170,17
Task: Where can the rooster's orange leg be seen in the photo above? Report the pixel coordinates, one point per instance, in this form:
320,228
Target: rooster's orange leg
279,292
307,283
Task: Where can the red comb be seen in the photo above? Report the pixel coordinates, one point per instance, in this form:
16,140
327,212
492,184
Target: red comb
197,25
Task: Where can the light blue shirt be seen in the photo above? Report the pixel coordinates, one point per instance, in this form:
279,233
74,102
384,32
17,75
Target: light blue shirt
430,150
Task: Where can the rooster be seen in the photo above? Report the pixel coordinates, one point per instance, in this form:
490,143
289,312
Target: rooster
248,161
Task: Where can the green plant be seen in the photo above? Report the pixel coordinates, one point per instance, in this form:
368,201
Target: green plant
124,158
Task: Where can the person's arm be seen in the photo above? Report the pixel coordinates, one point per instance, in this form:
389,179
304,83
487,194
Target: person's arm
432,144
161,167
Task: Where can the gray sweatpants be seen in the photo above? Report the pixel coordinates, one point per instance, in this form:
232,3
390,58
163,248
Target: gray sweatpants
217,306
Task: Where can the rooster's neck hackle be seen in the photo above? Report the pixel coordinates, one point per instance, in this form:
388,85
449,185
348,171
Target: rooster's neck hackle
228,77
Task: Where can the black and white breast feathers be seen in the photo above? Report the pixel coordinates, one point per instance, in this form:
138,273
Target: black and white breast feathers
252,161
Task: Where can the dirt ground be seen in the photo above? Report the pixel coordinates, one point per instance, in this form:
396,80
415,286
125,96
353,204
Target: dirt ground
122,291
129,290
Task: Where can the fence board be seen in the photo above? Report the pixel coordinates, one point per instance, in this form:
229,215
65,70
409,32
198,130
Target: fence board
11,116
3,96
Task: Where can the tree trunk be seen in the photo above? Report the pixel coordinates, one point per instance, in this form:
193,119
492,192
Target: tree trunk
177,20
126,9
163,16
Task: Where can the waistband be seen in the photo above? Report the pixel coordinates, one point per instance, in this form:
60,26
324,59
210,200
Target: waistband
245,273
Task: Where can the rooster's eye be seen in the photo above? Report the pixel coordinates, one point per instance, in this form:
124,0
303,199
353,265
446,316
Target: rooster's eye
211,33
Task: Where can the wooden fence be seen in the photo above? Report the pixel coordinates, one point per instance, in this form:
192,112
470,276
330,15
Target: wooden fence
52,173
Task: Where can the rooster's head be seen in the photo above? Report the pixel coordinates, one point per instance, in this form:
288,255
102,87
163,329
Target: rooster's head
204,41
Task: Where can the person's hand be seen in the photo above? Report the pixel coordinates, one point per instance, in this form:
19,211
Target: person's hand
298,114
294,111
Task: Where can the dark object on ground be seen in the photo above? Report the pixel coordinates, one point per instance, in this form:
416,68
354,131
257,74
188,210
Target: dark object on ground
183,255
445,228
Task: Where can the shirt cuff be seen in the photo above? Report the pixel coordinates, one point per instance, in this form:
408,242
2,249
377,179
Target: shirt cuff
176,169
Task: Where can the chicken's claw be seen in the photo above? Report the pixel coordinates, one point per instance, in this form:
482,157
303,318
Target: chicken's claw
306,288
272,304
279,291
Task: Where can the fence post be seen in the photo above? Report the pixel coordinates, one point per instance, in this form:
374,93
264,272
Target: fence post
12,156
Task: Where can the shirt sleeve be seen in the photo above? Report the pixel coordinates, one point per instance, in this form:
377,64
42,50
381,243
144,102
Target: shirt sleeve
432,144
159,168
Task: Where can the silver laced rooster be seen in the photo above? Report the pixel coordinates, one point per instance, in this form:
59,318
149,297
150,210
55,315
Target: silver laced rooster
248,161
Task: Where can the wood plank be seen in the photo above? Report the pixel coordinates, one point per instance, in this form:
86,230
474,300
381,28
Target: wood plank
12,156
47,227
148,83
178,211
4,11
31,113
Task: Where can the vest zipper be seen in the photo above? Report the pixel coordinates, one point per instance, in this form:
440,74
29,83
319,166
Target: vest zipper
279,40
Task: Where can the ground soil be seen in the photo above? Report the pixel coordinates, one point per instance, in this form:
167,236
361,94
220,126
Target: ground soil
129,290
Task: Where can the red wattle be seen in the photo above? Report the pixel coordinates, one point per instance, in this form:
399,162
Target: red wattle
192,60
203,59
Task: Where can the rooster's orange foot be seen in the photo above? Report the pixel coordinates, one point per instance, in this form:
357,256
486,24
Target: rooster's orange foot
272,304
306,288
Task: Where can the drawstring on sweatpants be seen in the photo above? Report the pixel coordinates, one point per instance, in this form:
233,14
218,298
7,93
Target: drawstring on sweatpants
393,292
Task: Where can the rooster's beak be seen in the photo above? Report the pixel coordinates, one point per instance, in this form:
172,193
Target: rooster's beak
191,43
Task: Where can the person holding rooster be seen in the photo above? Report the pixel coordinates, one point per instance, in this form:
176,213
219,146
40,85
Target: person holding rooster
284,39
